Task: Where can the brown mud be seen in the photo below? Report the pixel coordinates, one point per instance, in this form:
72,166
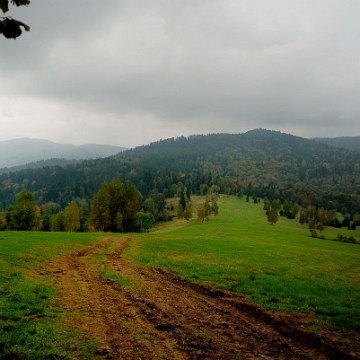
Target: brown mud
155,315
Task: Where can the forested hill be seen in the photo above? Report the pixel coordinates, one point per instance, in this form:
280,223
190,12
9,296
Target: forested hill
39,164
345,142
260,162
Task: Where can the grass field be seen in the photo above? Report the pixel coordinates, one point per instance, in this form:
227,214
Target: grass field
30,326
280,267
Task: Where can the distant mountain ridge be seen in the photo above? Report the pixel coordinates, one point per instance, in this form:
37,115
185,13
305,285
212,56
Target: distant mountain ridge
345,142
25,150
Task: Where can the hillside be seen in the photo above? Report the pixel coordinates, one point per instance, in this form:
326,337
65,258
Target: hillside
259,162
345,142
24,151
38,164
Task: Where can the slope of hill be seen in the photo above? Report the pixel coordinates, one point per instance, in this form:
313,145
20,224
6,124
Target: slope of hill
24,151
39,164
345,142
259,162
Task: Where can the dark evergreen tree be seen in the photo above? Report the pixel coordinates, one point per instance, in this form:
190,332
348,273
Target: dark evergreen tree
182,200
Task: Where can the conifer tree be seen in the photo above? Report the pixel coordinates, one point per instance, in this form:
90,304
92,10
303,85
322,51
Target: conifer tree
100,209
182,200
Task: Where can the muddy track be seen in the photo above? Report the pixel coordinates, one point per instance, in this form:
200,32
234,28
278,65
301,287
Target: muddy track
160,316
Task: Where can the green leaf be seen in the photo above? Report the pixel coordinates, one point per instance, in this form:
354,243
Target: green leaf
4,5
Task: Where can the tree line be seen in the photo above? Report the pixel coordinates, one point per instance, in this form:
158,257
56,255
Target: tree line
115,207
316,218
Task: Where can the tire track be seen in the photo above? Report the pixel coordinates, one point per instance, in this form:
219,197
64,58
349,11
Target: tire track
161,316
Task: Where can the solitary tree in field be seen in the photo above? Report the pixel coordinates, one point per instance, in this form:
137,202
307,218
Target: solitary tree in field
182,200
272,217
10,27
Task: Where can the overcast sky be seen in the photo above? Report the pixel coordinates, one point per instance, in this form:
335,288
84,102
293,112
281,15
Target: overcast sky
131,72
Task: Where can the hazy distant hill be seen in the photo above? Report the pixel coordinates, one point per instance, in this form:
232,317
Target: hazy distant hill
345,142
23,151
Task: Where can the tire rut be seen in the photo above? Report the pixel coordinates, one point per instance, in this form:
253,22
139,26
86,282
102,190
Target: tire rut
161,316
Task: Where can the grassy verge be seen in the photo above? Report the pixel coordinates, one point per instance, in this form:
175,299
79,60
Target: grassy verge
280,267
30,326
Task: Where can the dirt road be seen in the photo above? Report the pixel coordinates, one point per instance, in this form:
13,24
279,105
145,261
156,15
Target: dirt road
158,316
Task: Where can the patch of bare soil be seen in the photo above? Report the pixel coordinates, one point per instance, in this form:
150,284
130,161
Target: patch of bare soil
160,316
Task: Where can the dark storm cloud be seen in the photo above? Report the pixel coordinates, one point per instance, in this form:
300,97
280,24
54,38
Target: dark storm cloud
147,70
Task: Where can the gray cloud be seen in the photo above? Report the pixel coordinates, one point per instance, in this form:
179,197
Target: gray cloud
132,72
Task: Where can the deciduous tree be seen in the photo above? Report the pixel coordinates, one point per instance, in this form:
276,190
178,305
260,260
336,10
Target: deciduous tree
272,217
215,208
2,220
10,27
201,212
57,222
26,214
145,220
72,217
115,207
188,212
302,218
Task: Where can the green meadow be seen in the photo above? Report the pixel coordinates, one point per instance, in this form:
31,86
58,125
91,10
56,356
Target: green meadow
30,326
278,266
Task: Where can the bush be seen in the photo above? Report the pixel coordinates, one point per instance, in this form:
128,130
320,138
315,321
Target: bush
342,238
